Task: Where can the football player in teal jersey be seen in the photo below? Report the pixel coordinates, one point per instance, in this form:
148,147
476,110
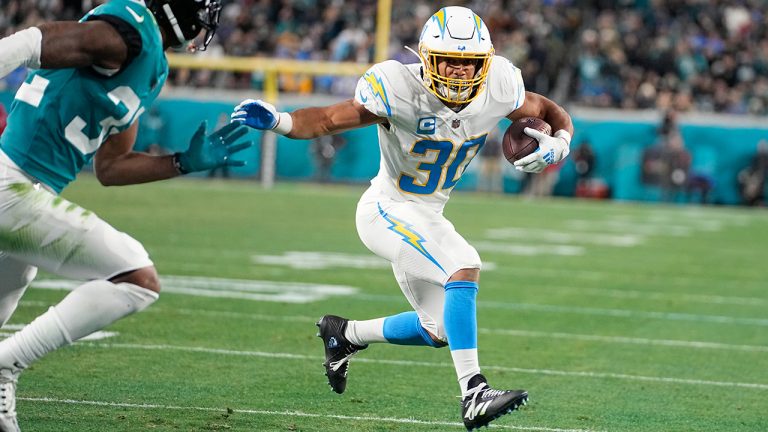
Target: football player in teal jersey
92,81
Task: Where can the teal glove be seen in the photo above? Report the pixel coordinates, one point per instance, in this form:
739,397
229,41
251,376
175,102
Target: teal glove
212,151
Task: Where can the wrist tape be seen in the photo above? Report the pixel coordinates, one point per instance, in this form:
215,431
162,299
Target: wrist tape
562,133
284,123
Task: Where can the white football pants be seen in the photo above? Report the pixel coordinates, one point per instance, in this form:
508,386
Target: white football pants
423,246
40,229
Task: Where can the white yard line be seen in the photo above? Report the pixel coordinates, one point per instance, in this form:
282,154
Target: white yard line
291,356
291,414
626,313
238,315
245,289
528,249
627,340
724,283
97,335
620,226
510,332
579,310
554,236
35,303
661,296
613,312
255,290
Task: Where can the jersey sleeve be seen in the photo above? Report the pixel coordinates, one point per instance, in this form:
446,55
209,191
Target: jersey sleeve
509,88
374,91
128,33
132,21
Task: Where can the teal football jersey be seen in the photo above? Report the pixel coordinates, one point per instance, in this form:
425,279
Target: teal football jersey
59,118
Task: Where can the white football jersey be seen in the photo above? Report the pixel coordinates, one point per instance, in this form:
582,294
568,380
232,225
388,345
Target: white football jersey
426,146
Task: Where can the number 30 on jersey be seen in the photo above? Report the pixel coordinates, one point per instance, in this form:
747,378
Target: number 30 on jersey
442,171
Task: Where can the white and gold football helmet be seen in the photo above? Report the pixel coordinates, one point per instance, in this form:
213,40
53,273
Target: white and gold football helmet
455,32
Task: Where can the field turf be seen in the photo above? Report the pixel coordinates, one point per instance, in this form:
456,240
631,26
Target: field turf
615,317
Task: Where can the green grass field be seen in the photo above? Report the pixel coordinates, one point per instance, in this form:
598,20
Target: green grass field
615,317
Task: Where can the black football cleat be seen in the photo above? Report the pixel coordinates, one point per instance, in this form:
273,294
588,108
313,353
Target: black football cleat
485,404
338,350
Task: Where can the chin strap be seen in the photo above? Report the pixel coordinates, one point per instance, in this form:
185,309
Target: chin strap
411,50
427,80
444,90
174,23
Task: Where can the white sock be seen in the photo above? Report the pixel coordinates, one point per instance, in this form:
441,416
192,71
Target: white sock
97,304
38,338
467,365
365,332
90,307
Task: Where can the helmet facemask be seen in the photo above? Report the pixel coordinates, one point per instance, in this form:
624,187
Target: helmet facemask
455,33
208,19
454,90
183,20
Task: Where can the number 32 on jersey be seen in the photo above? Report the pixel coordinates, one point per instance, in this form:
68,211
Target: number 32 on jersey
444,169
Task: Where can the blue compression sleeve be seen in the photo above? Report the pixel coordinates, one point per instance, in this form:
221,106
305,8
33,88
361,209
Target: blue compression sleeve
406,329
460,314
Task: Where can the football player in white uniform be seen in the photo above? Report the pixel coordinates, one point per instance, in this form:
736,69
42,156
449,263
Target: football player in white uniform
433,117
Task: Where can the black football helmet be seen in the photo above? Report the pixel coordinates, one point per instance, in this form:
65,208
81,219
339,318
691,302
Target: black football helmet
185,19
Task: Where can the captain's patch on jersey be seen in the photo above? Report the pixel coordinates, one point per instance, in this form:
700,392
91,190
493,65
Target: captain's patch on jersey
427,126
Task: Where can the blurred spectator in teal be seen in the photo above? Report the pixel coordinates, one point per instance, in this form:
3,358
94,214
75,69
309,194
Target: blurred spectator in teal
491,159
752,179
701,185
150,132
588,185
676,165
325,149
222,120
690,55
584,160
667,164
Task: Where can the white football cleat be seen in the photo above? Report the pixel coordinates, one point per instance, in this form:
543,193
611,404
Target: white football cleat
8,380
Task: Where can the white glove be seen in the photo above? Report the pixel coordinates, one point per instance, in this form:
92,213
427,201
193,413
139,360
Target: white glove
552,149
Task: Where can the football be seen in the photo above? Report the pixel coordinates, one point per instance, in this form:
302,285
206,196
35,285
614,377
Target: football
516,144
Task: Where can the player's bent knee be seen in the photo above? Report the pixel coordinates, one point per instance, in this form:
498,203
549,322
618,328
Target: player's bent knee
434,341
144,277
466,274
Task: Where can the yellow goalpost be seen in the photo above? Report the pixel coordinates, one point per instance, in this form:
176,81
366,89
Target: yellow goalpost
272,68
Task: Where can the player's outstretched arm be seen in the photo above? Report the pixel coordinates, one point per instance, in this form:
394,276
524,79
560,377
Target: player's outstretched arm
117,164
63,44
305,123
552,149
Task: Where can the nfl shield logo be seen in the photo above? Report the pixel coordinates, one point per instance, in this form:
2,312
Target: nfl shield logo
456,123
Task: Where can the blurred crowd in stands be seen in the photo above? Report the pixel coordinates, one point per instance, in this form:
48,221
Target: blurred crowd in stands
687,55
